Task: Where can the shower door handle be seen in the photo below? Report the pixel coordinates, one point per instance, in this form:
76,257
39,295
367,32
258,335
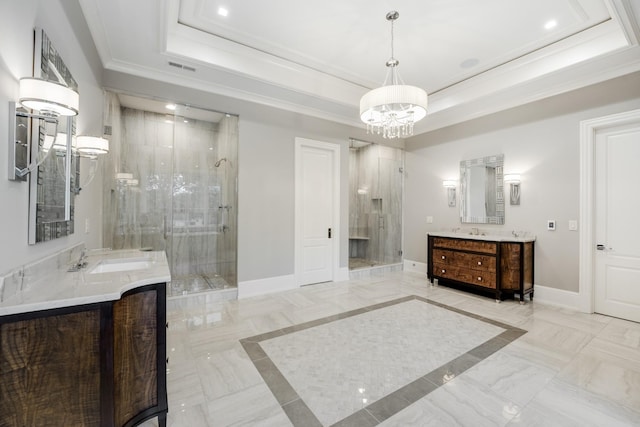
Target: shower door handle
329,233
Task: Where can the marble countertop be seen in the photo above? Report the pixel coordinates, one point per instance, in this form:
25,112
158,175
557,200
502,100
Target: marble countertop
59,288
493,237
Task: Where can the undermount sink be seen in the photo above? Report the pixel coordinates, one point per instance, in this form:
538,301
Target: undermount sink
121,264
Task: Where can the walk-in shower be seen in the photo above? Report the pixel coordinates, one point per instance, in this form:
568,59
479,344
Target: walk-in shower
375,205
170,184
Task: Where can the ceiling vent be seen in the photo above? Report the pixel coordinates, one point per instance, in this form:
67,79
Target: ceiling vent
181,66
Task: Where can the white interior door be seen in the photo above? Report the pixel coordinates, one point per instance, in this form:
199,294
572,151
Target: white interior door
315,206
617,229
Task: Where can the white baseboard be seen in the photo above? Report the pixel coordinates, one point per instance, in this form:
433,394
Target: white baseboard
414,266
342,275
252,288
557,297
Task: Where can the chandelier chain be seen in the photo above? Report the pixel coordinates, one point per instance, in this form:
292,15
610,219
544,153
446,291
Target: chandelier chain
392,53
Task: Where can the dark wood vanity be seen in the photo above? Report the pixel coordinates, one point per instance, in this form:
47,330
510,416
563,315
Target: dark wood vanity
99,364
501,268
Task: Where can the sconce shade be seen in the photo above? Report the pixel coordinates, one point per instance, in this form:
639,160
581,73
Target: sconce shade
449,183
60,142
48,97
512,177
92,145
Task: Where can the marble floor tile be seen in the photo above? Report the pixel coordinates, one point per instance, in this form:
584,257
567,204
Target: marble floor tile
591,324
342,366
568,369
226,372
512,377
562,404
253,406
183,386
460,402
212,340
563,341
622,332
608,370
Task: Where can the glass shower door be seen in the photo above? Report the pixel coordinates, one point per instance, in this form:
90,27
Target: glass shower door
174,189
202,234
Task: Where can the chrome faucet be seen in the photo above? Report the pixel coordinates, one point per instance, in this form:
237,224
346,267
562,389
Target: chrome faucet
81,263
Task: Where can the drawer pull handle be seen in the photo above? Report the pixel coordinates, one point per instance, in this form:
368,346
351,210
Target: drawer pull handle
479,279
444,257
444,271
479,262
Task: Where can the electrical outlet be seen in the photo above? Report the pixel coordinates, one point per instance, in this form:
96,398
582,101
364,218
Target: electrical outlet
573,225
429,220
551,225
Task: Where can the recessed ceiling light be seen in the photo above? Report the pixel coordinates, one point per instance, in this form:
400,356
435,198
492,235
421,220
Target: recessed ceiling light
223,11
550,24
171,107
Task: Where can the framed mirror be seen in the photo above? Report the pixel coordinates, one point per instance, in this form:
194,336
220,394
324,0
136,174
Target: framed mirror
52,185
482,190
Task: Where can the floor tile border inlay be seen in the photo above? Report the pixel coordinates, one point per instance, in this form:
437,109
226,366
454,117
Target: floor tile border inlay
378,411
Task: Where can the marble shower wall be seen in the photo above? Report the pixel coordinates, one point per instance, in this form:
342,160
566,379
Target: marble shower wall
375,203
177,200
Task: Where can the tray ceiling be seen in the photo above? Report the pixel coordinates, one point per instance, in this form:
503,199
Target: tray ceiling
319,58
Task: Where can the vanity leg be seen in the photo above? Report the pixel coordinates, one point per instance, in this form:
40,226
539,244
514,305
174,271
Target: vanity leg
531,296
162,420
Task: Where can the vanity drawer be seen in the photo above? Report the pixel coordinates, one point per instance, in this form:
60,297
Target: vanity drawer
465,260
466,245
466,275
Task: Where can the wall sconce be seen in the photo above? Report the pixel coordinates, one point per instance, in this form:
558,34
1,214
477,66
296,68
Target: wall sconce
52,100
514,191
91,147
450,185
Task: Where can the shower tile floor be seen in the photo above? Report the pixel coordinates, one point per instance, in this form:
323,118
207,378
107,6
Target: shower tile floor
196,283
568,369
355,263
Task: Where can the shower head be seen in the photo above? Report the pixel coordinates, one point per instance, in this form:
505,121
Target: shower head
219,162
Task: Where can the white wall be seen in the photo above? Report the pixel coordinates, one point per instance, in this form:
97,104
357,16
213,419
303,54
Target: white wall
17,20
539,141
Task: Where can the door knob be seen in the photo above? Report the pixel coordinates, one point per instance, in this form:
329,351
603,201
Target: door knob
600,247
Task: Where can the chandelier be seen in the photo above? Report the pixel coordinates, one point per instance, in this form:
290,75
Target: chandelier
392,110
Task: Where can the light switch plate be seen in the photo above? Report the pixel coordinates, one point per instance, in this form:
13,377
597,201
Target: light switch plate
551,225
429,220
573,225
